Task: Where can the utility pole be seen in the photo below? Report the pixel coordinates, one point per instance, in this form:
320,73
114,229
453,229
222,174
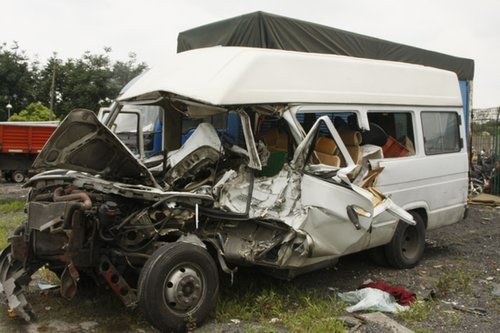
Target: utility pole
52,90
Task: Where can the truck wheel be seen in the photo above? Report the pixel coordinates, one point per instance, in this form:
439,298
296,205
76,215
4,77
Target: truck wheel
178,286
18,176
407,245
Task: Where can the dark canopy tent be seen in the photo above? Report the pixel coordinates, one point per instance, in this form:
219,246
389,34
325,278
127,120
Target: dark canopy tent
265,30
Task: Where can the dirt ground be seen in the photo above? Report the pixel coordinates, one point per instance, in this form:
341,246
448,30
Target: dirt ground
460,271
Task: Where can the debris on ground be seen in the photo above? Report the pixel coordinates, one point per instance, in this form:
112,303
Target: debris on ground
371,299
472,310
485,199
47,286
402,296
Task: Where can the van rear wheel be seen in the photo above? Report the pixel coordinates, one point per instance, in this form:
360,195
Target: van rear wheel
178,286
407,245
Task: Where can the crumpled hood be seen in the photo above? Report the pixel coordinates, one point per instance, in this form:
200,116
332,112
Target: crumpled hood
83,143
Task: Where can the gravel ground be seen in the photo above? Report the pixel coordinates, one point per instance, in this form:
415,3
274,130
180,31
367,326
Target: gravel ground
12,191
460,269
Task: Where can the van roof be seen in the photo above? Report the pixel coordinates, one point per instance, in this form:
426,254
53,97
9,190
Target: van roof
241,75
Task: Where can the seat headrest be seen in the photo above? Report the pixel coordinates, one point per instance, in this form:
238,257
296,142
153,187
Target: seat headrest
325,145
276,139
351,138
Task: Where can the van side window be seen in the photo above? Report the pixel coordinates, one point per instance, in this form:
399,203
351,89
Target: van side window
399,133
441,132
344,121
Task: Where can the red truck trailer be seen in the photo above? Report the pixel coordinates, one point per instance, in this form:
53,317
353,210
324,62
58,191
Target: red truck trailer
20,143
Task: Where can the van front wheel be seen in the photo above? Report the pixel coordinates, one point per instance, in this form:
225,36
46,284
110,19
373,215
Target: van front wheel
407,245
178,287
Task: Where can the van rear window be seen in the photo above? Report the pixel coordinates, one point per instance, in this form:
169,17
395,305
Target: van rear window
441,132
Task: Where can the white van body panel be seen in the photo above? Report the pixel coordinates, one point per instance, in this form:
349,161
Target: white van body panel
307,82
240,75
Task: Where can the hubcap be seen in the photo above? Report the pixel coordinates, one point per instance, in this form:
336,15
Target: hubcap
410,243
183,288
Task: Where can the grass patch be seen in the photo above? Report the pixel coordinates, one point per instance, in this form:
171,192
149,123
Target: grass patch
455,281
11,215
422,314
11,206
274,308
419,311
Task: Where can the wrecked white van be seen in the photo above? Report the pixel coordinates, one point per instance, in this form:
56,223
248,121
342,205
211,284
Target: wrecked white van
291,160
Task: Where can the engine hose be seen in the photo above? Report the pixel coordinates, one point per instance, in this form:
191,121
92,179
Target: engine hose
60,196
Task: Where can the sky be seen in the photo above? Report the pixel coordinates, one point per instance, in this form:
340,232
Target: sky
149,28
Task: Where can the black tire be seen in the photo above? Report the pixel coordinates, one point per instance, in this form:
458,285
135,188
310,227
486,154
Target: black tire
407,245
178,286
18,177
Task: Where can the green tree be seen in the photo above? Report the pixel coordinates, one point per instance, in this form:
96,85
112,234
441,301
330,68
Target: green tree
85,83
124,72
34,112
18,77
91,81
490,126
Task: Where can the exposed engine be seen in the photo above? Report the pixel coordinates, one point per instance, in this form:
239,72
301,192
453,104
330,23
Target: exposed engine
92,235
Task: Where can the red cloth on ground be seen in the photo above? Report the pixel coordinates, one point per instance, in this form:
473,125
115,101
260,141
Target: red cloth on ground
403,296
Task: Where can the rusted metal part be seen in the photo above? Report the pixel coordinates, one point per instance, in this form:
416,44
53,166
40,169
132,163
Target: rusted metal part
117,283
69,281
73,253
19,247
63,246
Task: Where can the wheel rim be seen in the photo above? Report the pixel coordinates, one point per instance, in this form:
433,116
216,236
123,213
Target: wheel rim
184,288
475,188
410,246
18,177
